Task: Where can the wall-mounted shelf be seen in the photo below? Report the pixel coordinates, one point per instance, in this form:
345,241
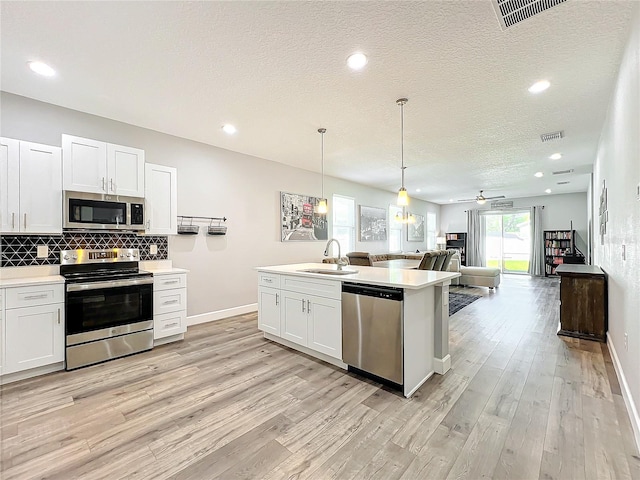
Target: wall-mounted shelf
191,229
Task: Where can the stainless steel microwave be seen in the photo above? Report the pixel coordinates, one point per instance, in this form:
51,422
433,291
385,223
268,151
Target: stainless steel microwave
95,211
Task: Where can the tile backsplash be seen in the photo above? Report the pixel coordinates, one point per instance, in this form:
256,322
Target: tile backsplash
22,250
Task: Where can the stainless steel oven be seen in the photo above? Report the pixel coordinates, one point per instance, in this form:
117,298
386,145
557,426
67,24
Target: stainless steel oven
108,305
94,211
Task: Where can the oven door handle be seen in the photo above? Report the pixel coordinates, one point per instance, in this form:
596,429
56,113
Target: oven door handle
78,287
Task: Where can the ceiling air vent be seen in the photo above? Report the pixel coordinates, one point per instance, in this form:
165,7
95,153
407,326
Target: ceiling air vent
548,137
563,183
563,172
510,12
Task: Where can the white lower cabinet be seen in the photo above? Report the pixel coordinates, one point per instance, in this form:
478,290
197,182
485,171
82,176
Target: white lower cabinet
169,306
292,313
2,349
269,305
33,335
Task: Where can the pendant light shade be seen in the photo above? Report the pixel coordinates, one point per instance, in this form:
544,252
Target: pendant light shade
403,197
322,204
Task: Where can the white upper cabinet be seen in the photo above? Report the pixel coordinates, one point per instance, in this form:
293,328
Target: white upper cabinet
97,167
30,187
9,187
161,199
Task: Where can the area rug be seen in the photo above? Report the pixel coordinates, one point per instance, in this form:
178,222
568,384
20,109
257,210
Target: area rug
457,301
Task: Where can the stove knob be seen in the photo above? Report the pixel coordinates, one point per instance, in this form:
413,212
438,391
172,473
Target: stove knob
129,254
75,257
65,257
135,255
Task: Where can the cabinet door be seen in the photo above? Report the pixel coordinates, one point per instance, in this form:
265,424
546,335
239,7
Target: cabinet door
2,344
161,199
40,188
169,324
9,185
293,324
269,302
325,326
125,169
34,337
85,164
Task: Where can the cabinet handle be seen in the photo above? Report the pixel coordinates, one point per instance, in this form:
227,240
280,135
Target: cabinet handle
308,306
13,220
103,187
34,297
148,224
171,281
58,316
276,299
169,325
169,302
267,280
303,305
25,220
112,187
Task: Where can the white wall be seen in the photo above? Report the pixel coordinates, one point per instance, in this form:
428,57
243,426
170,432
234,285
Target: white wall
211,182
559,212
618,165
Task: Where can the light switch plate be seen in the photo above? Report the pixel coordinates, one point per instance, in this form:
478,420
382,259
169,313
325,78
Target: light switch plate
43,251
153,249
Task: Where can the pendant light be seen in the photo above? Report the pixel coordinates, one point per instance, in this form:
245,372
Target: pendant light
403,197
322,205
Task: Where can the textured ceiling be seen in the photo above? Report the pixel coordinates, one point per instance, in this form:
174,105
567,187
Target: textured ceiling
277,71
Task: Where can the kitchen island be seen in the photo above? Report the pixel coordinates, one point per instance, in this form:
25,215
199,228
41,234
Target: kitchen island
300,306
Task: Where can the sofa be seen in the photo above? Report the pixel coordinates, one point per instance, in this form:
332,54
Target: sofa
474,276
369,259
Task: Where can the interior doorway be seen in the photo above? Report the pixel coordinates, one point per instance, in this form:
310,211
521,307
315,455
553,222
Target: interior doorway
508,241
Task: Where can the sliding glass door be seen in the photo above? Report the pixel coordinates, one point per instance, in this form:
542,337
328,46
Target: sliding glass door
508,241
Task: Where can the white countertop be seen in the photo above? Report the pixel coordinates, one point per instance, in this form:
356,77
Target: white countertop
165,271
391,277
29,281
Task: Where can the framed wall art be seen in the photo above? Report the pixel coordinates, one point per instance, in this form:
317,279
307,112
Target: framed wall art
415,231
299,219
373,224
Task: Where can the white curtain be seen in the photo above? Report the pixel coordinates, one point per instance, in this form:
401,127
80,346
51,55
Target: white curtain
475,239
536,266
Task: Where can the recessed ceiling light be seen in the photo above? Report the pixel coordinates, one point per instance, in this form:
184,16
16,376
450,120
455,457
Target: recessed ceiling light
417,189
42,69
556,156
451,199
357,61
538,174
540,86
548,190
229,129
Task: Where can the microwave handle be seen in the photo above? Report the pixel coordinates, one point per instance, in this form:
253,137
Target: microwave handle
103,184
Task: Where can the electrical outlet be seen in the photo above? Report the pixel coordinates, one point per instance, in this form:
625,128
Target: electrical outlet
626,342
153,249
43,251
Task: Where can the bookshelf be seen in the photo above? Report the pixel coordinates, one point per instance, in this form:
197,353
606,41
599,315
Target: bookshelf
559,248
459,242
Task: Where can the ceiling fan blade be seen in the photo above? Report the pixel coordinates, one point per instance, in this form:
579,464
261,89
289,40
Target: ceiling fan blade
493,198
468,200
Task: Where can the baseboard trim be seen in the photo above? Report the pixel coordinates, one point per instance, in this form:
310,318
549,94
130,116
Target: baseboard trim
221,314
626,393
32,372
308,351
442,365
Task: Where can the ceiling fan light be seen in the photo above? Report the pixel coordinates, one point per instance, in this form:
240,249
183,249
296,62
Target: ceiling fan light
481,201
322,206
403,197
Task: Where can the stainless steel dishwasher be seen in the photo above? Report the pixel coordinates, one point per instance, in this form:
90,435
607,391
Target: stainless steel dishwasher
372,330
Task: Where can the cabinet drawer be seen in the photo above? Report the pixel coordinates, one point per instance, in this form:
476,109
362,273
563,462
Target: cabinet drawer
312,286
168,301
167,282
169,324
18,297
269,280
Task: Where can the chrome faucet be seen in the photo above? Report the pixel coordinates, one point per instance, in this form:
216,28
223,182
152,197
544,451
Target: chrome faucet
341,263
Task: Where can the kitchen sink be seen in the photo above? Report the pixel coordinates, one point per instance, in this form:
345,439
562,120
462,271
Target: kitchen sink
326,271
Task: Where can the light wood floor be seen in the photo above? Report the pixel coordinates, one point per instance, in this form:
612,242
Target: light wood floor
518,403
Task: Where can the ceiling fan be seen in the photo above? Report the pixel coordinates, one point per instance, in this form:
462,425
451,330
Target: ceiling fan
481,199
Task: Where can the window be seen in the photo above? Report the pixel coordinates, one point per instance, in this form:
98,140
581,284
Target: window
344,224
395,229
431,231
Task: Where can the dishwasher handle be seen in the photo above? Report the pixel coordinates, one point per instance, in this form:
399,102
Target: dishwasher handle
387,293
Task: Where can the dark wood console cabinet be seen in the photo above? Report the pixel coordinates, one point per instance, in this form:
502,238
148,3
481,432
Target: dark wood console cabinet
583,302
